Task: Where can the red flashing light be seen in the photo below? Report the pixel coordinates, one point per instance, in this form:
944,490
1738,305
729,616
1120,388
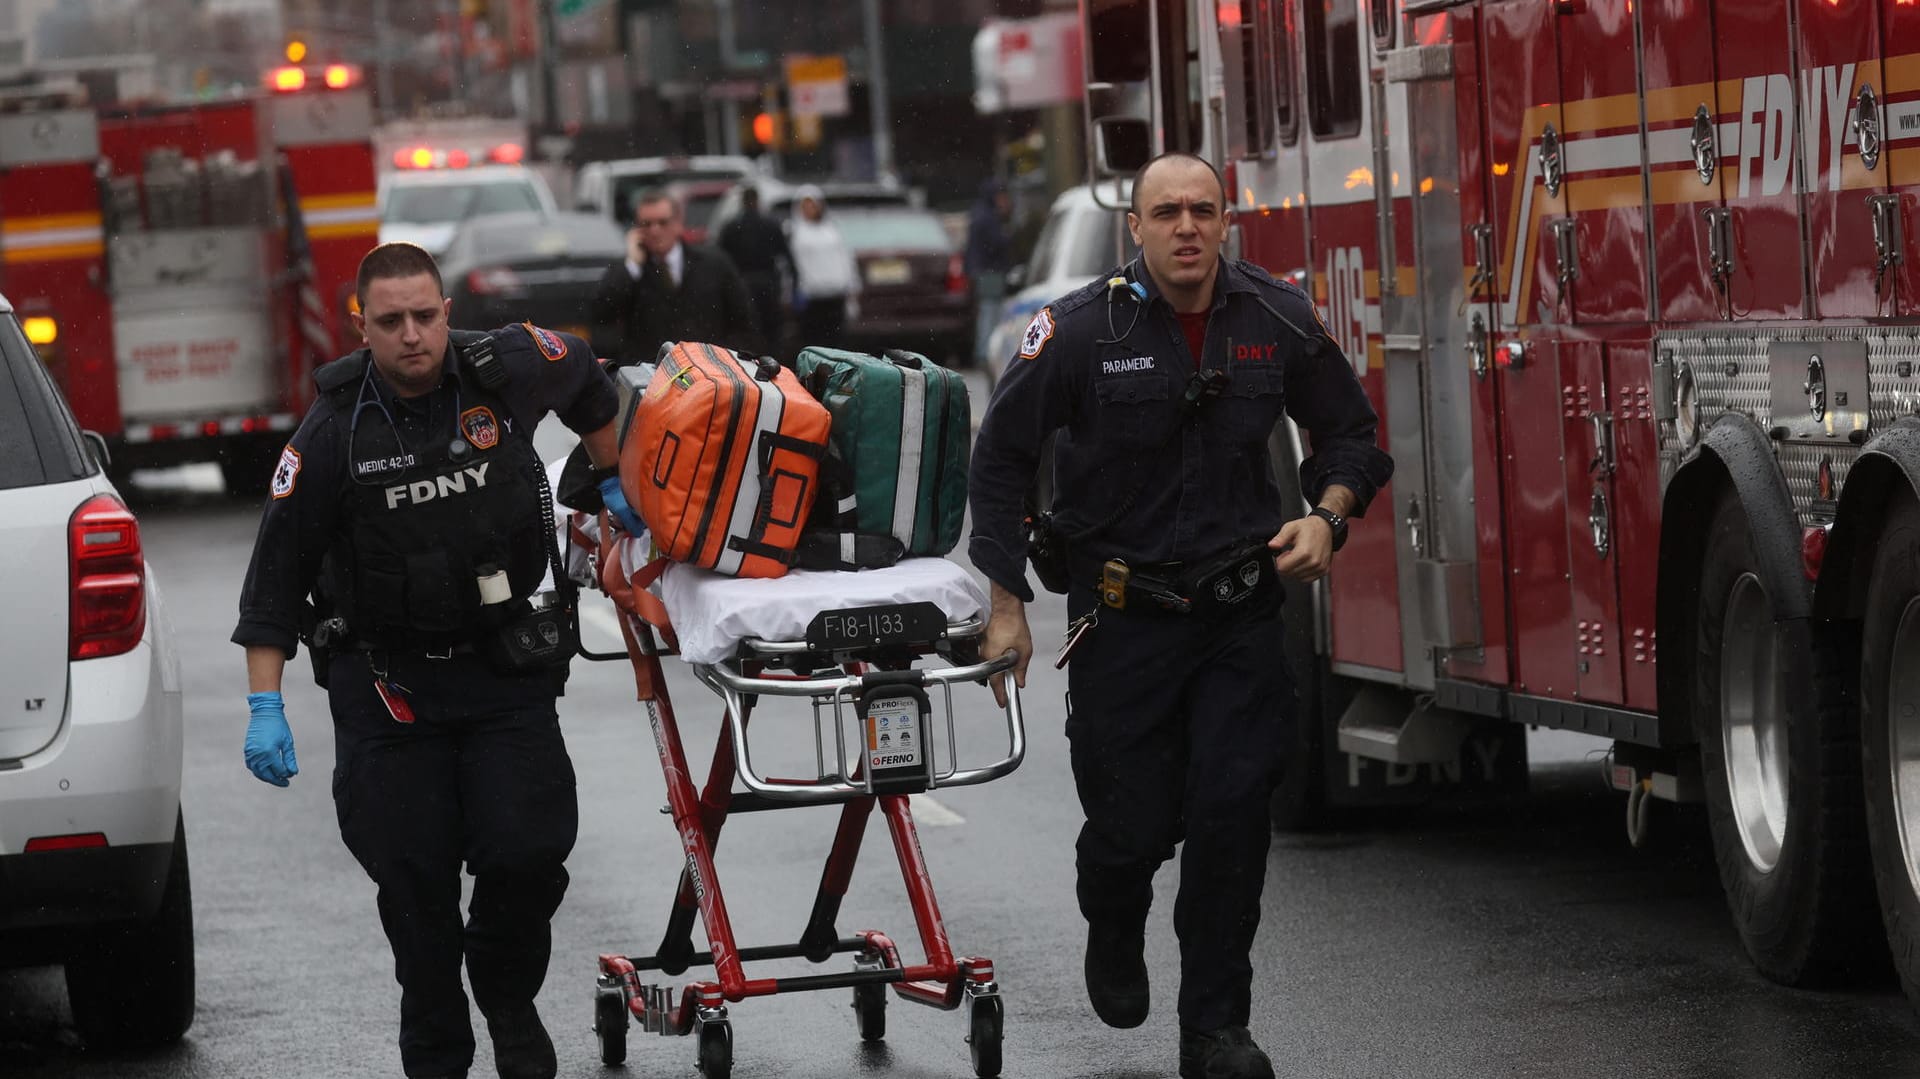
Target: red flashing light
507,153
163,431
78,841
287,79
107,578
1813,551
210,428
338,76
458,159
402,158
253,425
421,158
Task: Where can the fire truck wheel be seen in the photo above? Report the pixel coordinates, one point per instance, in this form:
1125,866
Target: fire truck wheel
1780,756
1890,733
1300,801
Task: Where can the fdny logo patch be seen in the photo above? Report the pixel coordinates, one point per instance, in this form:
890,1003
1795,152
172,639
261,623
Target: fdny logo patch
548,342
480,428
1039,332
286,472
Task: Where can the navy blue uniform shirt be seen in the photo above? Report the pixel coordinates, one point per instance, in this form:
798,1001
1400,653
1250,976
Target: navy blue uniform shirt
1108,372
311,480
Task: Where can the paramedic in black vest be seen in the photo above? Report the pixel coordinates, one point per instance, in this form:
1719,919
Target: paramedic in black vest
1165,385
407,504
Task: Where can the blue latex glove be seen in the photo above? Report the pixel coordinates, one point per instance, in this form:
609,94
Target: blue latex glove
615,500
270,740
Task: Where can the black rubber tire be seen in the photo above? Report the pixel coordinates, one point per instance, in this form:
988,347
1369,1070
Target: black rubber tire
1809,920
132,986
870,1011
986,1021
1300,800
1895,582
610,1018
716,1050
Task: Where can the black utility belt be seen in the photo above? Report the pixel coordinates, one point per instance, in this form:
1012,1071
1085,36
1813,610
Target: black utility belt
442,650
1240,579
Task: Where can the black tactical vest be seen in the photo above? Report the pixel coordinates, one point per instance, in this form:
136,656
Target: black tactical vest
423,520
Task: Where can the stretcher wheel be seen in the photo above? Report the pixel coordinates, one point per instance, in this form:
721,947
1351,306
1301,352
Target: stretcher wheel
983,1036
716,1050
870,1011
610,1019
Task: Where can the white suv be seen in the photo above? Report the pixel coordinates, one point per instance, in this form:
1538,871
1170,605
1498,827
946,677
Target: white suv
93,851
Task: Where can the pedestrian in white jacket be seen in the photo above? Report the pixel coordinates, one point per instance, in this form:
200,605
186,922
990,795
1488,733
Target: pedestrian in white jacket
826,275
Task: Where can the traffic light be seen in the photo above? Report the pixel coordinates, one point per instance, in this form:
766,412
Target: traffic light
765,128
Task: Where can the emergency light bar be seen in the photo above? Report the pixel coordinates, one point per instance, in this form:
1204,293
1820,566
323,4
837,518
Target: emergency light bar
292,78
429,157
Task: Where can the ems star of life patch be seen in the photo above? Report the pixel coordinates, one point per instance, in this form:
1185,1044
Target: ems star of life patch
546,341
480,428
285,472
1039,332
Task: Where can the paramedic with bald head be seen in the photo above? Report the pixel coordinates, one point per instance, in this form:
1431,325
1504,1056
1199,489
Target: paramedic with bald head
1164,381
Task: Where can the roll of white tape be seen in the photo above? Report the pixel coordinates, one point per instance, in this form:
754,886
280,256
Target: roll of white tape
494,588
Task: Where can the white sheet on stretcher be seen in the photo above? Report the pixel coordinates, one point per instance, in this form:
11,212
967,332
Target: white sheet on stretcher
712,614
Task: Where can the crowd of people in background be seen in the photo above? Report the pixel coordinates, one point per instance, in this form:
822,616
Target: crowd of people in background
767,285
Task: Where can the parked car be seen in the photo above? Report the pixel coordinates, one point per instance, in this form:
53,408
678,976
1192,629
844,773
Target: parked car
427,206
913,282
698,200
1080,241
607,188
93,845
776,198
530,267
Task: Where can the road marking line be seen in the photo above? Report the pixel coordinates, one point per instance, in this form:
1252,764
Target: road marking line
602,617
928,813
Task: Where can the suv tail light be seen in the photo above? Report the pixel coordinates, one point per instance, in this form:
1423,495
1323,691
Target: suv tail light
956,276
495,281
108,609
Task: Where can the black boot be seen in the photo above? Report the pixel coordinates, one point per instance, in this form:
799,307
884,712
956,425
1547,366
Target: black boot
521,1048
1227,1053
1117,974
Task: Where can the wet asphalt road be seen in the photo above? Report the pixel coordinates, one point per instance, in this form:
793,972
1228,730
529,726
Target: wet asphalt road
1524,939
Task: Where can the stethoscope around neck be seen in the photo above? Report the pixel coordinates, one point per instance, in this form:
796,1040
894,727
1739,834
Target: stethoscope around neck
458,450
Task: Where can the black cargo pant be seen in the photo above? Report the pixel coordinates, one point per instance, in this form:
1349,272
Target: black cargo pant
1177,727
482,777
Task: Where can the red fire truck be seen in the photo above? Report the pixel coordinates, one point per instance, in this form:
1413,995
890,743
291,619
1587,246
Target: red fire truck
183,268
1633,288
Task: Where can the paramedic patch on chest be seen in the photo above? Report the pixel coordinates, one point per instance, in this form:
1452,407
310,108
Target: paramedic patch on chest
480,428
285,472
1039,332
546,341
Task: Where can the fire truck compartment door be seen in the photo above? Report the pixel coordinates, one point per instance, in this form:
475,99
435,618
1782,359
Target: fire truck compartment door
192,320
1406,440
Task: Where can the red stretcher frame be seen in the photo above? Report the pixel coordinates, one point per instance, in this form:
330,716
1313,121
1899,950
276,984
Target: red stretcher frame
941,981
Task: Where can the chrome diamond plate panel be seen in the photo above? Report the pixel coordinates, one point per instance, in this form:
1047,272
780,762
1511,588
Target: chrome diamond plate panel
1731,375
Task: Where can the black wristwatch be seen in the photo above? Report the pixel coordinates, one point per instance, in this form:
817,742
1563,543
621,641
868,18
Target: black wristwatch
1334,521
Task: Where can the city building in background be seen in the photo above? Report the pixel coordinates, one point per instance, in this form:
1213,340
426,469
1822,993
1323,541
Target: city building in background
795,83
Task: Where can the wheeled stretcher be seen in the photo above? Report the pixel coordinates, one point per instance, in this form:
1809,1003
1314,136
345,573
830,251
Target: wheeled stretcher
870,654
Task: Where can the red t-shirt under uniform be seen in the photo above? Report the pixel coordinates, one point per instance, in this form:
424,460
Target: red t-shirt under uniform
1195,326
